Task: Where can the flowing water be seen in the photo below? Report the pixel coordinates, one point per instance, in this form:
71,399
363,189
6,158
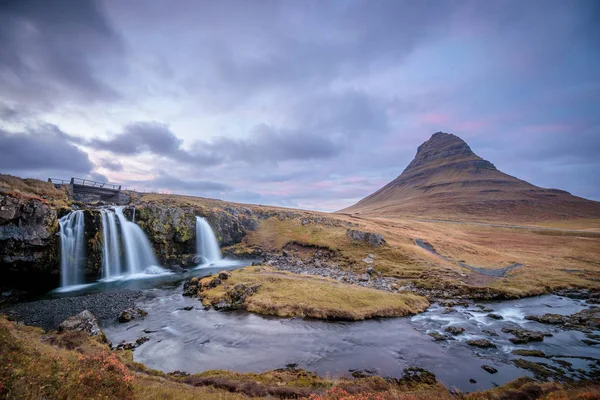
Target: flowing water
207,245
111,249
138,252
199,340
72,248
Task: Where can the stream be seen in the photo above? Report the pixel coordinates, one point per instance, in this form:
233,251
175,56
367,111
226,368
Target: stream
195,340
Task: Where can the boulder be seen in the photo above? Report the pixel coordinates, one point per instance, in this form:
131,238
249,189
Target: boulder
372,239
489,368
495,316
481,343
82,322
524,336
131,314
455,330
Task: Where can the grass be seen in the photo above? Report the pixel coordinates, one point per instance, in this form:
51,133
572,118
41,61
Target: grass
286,294
34,189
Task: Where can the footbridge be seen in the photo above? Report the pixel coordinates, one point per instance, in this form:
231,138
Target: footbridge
88,191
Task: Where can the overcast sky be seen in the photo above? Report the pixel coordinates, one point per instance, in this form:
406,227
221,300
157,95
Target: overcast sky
311,104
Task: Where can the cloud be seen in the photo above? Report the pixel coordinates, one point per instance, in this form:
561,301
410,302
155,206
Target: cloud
48,49
111,164
194,186
140,137
45,148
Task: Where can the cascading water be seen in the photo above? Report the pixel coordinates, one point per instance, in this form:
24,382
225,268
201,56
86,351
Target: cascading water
72,251
206,242
111,250
139,255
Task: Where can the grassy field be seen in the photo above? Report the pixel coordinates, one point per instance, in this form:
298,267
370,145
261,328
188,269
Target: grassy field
285,295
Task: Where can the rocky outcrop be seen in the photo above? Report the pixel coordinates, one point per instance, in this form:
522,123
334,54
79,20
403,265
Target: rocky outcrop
132,313
29,247
523,336
372,239
172,230
585,320
83,322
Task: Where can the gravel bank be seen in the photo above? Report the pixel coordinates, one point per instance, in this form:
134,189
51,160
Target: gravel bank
48,314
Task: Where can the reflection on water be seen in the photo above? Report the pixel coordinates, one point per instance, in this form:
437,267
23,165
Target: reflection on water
200,340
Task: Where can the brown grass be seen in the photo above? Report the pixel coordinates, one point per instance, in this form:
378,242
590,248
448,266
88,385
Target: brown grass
287,294
34,189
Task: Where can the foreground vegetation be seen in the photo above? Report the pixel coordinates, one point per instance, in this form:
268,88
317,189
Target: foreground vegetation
71,365
267,291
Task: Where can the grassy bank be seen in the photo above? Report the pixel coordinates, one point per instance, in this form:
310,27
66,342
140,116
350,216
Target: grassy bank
286,294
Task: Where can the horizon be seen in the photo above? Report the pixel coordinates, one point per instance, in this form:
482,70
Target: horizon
301,105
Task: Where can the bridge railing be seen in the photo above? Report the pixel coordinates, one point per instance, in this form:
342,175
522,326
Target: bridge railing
91,183
57,181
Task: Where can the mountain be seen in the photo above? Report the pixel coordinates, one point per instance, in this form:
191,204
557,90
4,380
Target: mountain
446,179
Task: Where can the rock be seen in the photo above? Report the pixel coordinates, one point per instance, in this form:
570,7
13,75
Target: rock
554,319
489,332
372,239
448,310
191,287
495,316
472,380
525,336
364,278
489,369
590,342
132,345
529,353
188,308
142,340
224,275
438,337
370,270
455,330
368,260
481,343
82,322
414,376
131,314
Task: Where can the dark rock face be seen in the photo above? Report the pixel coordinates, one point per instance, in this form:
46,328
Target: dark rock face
172,230
29,247
489,368
373,239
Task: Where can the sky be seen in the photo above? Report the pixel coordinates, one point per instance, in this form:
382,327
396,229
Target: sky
308,104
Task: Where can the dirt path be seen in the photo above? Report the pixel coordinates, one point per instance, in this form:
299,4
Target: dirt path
496,272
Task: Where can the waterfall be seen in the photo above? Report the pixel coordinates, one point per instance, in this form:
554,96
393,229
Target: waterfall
111,250
206,242
138,251
72,251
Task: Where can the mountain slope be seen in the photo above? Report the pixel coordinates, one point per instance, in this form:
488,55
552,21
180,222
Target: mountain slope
447,179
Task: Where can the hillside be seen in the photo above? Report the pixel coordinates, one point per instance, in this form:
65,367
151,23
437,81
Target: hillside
446,179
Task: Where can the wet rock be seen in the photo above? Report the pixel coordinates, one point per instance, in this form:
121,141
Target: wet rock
454,303
448,310
372,239
471,380
82,322
489,368
191,287
524,336
481,343
415,376
495,316
132,313
142,340
489,332
455,330
188,308
554,319
529,353
590,342
586,320
438,337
